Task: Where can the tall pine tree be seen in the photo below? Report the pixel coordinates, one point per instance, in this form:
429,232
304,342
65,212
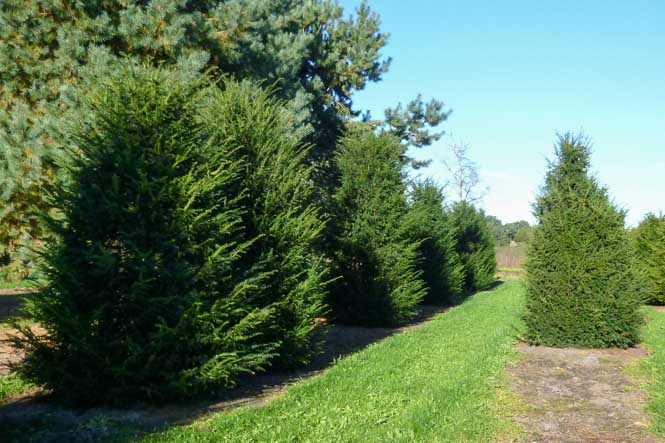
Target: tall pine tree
314,56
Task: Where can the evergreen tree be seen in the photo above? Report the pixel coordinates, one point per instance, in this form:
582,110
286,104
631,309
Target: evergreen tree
649,239
178,263
430,226
279,211
475,246
376,259
582,288
314,56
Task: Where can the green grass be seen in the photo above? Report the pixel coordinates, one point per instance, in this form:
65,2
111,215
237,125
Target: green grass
14,284
4,284
11,385
439,382
654,368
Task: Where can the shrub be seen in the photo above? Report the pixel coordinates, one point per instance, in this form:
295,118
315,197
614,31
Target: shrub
168,278
582,288
649,239
431,227
279,211
376,260
475,246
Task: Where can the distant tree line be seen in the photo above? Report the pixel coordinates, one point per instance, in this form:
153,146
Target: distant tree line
519,232
200,190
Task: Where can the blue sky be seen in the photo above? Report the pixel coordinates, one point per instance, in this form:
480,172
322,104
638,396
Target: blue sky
516,73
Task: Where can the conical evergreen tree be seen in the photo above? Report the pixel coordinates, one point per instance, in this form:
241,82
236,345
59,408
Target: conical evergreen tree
649,239
376,258
431,226
475,246
582,288
181,260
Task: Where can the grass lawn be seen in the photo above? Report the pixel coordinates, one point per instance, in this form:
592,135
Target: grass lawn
16,284
438,382
654,367
12,384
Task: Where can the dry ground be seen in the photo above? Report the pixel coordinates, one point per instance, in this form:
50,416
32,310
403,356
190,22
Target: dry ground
580,395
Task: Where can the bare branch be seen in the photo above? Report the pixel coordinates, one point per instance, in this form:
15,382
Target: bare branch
464,174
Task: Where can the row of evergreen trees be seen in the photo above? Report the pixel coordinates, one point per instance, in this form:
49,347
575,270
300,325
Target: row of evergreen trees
312,55
191,245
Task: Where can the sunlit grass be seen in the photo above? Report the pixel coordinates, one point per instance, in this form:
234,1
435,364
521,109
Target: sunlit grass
11,385
438,382
654,368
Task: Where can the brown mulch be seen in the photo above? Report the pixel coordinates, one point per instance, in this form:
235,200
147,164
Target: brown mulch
580,395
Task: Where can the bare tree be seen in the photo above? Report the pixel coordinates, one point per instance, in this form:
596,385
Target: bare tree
464,172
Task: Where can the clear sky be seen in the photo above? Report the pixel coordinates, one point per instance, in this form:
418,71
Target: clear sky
516,73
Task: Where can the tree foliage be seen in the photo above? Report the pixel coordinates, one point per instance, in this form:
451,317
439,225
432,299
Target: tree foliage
583,289
431,226
313,55
475,246
519,231
181,260
376,257
649,238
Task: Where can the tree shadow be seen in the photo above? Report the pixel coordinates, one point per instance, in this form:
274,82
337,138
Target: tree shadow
38,416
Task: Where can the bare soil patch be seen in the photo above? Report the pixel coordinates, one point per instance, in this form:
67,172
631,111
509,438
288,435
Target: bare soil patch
26,414
580,395
11,301
16,291
510,275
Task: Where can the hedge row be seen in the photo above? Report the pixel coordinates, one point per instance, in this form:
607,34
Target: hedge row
191,246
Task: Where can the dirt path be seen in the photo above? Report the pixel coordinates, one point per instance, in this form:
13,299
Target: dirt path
10,302
579,395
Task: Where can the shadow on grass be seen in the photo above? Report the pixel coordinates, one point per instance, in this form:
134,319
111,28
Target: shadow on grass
9,306
39,418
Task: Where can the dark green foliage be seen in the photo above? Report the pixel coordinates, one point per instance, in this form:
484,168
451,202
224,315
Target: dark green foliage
583,289
313,54
279,213
649,239
430,226
475,246
180,261
376,258
413,125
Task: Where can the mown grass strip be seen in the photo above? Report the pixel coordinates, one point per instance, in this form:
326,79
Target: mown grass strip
434,383
653,367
